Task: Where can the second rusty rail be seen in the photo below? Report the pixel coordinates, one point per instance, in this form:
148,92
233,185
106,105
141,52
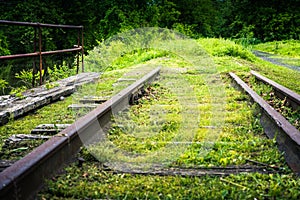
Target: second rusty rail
275,126
280,91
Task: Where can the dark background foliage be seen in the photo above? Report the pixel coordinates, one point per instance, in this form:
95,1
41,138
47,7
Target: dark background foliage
247,20
262,20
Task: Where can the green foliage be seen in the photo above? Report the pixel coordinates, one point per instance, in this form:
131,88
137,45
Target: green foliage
128,48
188,30
264,20
138,56
251,21
26,77
3,85
61,72
199,14
18,92
120,16
50,85
3,45
281,27
56,73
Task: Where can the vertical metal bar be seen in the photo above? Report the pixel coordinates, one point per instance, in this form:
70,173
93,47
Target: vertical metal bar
34,64
82,53
40,51
78,44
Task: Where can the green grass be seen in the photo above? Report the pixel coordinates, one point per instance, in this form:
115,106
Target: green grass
139,116
89,181
284,76
241,138
55,113
290,48
287,52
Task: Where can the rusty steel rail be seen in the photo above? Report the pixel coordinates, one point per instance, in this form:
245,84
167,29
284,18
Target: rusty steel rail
280,91
275,125
25,177
40,53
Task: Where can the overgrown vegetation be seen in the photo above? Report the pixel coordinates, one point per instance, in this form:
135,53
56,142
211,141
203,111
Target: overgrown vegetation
163,129
26,79
290,48
3,86
56,113
92,182
241,140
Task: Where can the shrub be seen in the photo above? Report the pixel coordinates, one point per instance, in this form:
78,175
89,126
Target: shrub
223,47
3,85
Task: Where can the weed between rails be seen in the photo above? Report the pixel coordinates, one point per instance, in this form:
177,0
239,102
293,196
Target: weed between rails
56,113
241,137
164,126
91,182
17,150
280,105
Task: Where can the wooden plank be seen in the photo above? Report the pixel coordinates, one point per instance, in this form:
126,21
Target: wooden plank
49,129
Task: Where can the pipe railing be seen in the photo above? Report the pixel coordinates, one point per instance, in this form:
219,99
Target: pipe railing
38,26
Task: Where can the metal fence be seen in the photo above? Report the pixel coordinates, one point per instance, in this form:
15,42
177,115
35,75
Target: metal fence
37,51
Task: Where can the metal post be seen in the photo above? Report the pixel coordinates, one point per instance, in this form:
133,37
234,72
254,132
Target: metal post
82,51
40,52
78,44
34,64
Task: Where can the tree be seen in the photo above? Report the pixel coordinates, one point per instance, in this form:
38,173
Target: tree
268,20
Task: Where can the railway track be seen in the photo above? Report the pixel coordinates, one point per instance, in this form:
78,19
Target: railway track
274,124
25,177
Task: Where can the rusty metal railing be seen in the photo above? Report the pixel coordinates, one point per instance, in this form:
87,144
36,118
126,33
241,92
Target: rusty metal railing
38,28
